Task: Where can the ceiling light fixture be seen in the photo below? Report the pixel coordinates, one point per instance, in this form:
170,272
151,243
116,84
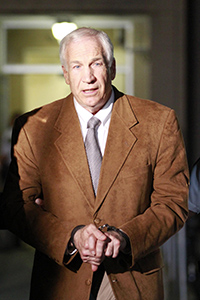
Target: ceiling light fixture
59,30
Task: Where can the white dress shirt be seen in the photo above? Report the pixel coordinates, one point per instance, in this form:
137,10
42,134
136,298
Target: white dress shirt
104,115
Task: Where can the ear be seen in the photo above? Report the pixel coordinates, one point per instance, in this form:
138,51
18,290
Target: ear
66,76
113,70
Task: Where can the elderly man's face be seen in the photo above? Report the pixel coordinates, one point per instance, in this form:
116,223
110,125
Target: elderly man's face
87,73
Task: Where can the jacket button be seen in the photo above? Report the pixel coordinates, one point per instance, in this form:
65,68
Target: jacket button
88,282
97,221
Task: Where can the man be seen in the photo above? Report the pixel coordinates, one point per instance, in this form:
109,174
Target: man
193,256
194,191
96,242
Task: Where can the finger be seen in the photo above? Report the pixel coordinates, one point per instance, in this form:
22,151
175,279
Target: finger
113,246
39,201
100,247
91,243
92,260
116,249
94,268
92,229
81,237
109,250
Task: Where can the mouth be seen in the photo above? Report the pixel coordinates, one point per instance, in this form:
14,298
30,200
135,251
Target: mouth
90,91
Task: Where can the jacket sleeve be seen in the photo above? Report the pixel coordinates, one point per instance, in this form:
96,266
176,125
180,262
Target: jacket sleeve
33,224
168,208
194,191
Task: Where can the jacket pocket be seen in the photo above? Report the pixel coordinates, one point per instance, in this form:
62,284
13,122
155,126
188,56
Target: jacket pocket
150,263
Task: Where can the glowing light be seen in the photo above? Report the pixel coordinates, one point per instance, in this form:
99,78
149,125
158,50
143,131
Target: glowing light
59,30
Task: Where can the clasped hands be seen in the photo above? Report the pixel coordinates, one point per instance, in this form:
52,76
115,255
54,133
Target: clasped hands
94,245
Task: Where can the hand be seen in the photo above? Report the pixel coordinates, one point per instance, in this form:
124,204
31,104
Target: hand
91,244
117,243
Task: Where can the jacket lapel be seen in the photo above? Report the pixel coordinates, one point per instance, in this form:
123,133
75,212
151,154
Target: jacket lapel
119,143
71,148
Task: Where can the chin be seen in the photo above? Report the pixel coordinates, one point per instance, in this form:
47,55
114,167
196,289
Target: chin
93,103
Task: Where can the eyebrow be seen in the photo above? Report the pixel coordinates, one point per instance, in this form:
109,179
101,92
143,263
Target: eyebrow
74,62
93,60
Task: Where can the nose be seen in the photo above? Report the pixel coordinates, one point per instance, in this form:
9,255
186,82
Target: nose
88,76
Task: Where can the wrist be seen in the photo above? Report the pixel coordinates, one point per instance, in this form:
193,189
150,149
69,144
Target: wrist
71,247
126,247
74,232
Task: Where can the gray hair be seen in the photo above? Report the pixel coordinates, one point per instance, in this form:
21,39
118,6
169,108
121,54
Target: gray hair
87,32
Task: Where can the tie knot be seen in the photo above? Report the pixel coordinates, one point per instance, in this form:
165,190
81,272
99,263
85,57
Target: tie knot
93,122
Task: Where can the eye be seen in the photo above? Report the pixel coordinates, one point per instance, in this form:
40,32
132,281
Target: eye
76,67
97,63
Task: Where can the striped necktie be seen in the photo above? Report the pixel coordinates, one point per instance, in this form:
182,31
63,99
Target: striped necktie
93,151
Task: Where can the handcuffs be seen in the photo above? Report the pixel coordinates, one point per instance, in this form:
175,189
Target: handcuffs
71,248
106,228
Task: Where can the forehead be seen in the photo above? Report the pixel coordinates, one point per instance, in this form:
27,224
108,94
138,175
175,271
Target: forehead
85,47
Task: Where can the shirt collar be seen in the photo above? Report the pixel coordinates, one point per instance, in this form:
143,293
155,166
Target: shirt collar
103,114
